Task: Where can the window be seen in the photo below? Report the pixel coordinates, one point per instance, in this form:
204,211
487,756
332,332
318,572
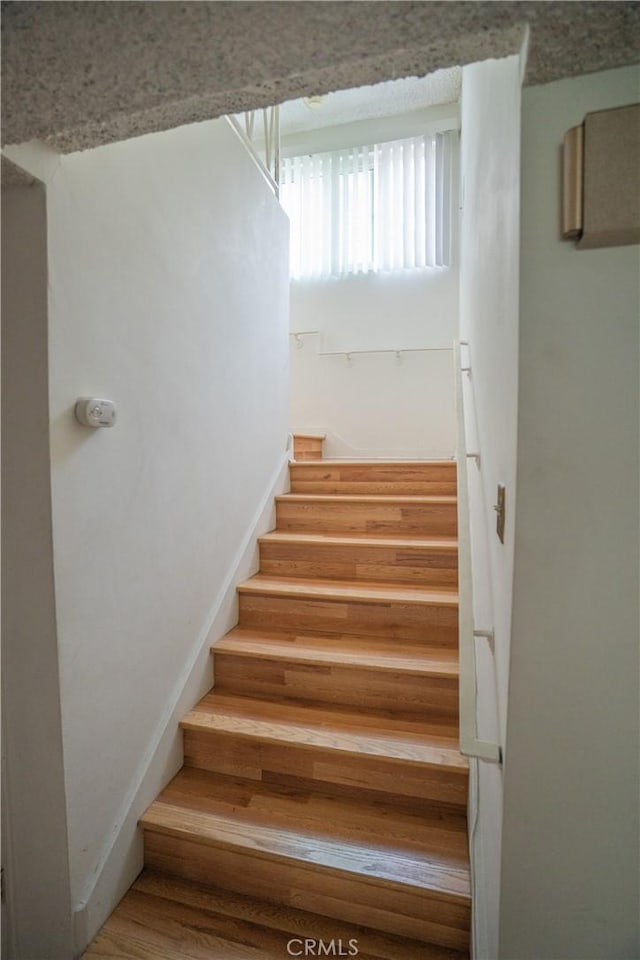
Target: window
372,208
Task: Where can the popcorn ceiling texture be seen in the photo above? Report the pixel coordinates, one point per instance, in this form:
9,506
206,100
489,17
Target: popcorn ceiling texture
80,74
386,99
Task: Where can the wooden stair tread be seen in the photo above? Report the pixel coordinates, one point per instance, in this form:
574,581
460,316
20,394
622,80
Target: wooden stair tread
197,806
165,918
445,544
385,498
428,830
356,591
356,732
370,652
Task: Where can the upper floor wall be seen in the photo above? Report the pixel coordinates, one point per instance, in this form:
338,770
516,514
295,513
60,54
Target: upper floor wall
379,404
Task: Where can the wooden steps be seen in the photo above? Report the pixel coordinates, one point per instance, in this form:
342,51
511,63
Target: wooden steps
315,745
323,792
373,514
257,837
387,559
371,609
408,477
355,592
349,650
165,918
363,671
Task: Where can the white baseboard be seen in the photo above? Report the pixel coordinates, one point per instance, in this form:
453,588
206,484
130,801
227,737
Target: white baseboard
122,855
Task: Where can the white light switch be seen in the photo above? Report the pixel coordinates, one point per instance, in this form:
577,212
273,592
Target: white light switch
94,412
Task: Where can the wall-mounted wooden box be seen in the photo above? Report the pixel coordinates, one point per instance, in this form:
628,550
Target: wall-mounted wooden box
601,199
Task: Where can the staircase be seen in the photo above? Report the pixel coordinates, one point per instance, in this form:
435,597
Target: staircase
322,783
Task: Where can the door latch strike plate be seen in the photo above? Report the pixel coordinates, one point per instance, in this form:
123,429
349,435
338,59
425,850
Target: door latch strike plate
500,510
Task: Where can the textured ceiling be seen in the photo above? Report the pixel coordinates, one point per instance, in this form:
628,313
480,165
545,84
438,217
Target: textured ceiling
366,103
79,74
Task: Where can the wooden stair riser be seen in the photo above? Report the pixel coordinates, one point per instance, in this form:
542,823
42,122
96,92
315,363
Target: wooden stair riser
429,479
303,455
407,912
362,517
427,566
337,684
323,768
408,621
307,448
414,488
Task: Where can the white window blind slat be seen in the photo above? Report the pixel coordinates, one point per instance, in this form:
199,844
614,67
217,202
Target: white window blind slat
420,207
438,220
409,206
430,202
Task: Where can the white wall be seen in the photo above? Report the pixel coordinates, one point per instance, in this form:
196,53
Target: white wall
376,406
37,921
489,238
168,294
571,844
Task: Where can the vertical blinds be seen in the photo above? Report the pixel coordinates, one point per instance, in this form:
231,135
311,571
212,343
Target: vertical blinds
381,207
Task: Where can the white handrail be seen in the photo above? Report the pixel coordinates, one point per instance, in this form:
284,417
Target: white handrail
296,334
351,353
470,744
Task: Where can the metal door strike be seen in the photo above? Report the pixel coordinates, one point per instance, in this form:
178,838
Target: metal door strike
500,510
